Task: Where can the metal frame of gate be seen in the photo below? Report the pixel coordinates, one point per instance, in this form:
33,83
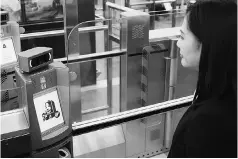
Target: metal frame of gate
151,5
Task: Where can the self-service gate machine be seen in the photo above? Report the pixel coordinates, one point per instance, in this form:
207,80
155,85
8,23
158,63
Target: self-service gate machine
14,125
45,98
10,47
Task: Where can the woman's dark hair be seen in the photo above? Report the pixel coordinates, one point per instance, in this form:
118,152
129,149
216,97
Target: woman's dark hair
214,23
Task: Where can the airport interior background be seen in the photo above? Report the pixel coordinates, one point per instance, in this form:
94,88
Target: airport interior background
124,70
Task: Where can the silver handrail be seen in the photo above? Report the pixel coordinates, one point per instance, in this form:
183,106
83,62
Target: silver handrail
122,117
114,38
51,33
41,34
118,7
92,29
94,56
152,2
97,16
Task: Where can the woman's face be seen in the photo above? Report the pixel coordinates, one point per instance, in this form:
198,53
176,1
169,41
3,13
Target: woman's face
47,106
190,47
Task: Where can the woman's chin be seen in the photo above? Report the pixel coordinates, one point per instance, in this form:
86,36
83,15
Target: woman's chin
184,63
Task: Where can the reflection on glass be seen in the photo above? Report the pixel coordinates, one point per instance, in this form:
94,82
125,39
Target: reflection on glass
43,9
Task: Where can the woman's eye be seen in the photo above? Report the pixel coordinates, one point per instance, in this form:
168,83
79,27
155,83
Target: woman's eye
179,36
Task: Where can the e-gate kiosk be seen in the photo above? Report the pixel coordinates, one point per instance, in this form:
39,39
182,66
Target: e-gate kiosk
45,98
35,111
15,139
10,47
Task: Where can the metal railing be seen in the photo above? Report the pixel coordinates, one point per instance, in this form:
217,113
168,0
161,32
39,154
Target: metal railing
41,34
95,56
122,117
118,7
152,2
50,33
109,5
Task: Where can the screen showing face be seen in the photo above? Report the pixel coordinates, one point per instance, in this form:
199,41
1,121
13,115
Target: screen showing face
8,54
48,110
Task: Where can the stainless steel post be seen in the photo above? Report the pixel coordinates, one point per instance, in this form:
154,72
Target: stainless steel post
109,67
108,47
174,12
152,18
170,83
134,37
127,3
123,70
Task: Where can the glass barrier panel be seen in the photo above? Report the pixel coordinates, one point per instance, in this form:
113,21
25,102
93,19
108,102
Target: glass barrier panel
89,37
99,5
162,15
167,19
140,138
96,90
95,100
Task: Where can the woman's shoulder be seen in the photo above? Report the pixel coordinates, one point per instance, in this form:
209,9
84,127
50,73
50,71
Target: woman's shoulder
215,113
211,114
217,106
206,132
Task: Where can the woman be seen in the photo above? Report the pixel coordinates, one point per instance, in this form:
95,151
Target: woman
208,43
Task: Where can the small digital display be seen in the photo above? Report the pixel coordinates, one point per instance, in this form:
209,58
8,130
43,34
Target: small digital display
8,54
48,110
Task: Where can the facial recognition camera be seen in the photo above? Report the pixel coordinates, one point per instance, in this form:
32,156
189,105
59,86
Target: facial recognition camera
35,58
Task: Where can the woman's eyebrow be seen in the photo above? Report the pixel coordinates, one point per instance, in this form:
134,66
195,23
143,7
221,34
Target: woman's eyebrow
181,31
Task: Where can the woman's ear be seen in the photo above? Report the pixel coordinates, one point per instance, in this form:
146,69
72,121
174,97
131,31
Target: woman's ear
199,47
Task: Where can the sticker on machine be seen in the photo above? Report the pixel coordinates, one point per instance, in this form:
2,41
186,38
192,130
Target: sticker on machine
48,110
8,54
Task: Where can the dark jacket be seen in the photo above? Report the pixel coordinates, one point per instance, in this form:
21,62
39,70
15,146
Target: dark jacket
207,129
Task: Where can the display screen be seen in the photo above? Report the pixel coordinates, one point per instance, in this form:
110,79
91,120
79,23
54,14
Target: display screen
43,10
8,54
48,110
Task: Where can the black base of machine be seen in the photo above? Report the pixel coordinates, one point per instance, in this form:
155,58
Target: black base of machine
62,149
16,147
